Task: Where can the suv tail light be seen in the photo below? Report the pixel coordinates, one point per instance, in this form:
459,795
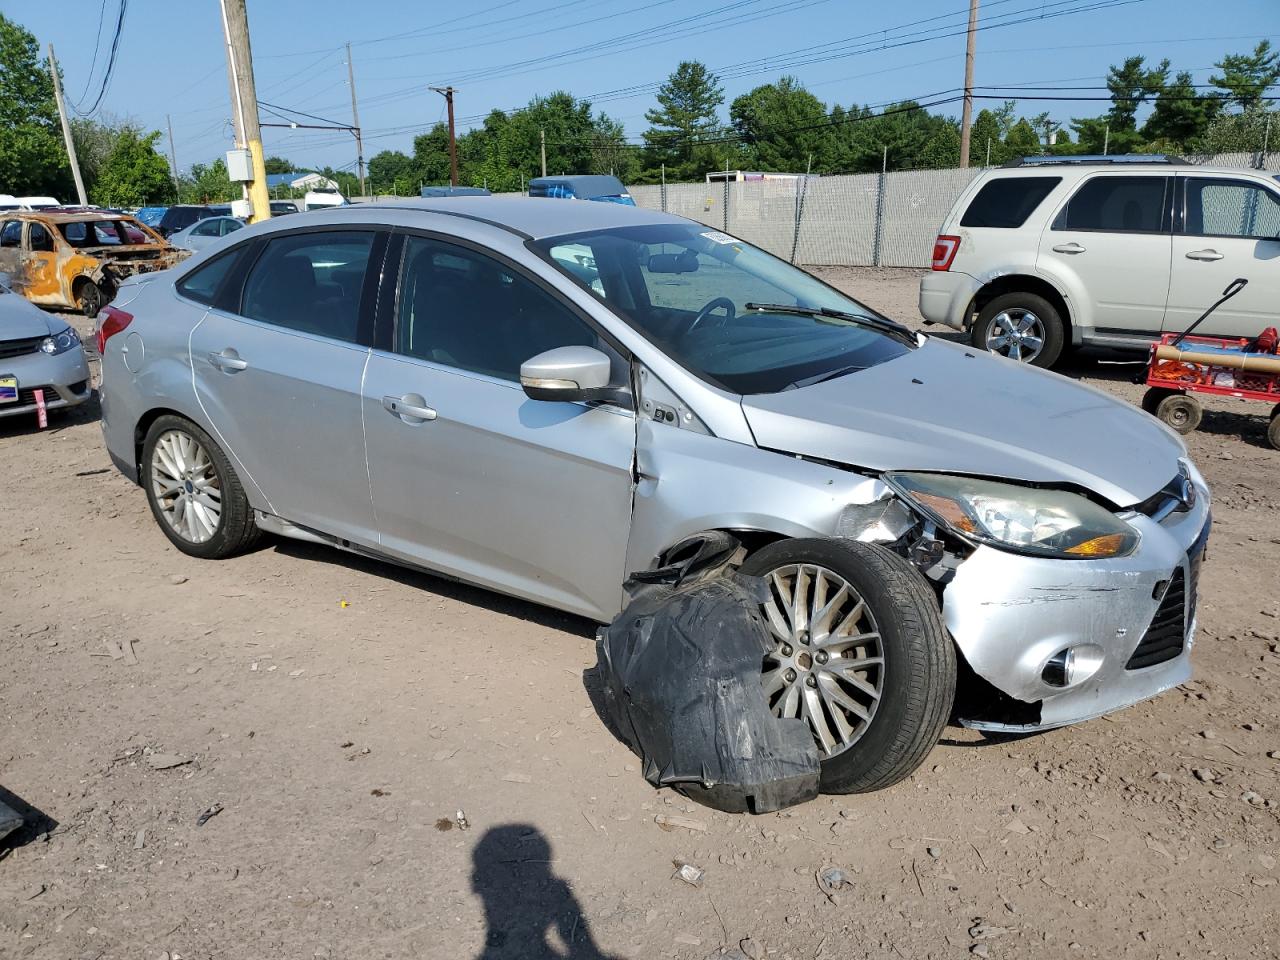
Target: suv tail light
944,251
110,322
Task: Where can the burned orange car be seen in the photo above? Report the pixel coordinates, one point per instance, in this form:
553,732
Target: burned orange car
75,258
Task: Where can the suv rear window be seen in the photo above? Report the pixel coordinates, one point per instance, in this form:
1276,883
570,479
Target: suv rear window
1122,204
1006,202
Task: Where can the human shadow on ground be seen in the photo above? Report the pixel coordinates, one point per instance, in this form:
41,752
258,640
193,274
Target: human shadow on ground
529,912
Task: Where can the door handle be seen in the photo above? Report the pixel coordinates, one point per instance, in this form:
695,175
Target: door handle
409,408
1072,247
1209,254
228,361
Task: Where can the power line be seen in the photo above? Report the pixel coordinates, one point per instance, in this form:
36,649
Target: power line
111,64
97,43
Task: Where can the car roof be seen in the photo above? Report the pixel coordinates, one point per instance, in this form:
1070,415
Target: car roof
532,217
1120,169
70,216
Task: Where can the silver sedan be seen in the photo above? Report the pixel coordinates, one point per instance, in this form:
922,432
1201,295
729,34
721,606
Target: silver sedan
204,233
544,397
41,359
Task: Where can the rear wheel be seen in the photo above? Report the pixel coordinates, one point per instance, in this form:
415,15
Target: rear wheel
1022,327
194,494
861,656
1181,412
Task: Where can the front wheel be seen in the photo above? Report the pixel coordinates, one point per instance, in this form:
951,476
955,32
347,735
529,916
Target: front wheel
861,656
89,298
1180,411
1022,327
194,494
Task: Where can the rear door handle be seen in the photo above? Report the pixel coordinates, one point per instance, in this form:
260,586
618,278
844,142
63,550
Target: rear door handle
410,408
228,361
1209,254
1072,247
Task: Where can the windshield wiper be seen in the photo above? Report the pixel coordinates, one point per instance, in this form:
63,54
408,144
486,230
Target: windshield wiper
888,327
823,377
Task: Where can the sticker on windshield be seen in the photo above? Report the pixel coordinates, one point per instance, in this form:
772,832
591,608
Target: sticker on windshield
715,236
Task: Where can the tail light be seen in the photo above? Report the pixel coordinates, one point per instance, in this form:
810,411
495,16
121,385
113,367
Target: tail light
944,251
110,322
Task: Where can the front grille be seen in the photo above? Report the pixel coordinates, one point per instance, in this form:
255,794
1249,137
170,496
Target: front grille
27,396
1167,633
20,348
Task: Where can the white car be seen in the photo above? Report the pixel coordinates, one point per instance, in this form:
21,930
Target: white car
204,232
1104,251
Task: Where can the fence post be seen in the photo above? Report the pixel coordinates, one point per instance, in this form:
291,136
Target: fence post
663,191
795,237
878,234
726,196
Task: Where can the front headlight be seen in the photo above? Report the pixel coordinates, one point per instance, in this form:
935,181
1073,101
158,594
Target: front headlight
60,342
1051,523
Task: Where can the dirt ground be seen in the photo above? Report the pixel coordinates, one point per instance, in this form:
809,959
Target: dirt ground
342,716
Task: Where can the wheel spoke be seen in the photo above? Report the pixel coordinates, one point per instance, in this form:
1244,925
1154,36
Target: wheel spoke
831,688
817,719
774,681
799,606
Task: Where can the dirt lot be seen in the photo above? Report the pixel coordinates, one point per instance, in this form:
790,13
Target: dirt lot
341,713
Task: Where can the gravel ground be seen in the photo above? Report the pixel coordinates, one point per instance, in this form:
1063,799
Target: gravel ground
342,716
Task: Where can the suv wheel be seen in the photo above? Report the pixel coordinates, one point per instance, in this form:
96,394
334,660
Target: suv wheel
194,494
862,657
1020,326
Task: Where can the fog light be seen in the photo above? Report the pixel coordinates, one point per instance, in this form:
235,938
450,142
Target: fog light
1071,665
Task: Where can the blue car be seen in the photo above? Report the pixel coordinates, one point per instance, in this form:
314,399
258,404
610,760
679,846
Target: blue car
594,187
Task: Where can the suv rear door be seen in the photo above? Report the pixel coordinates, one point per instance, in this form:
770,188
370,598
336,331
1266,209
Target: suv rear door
1228,227
1109,245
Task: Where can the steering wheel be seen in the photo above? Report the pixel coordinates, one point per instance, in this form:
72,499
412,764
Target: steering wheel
718,303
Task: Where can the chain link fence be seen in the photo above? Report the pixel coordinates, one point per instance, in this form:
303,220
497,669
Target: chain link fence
866,219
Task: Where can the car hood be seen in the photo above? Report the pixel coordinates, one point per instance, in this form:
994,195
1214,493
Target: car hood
952,409
20,319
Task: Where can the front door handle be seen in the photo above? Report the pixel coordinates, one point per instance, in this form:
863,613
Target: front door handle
228,361
410,408
1209,254
1071,247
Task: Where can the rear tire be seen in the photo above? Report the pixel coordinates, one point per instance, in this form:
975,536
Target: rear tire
1273,431
917,676
1021,326
1181,412
195,495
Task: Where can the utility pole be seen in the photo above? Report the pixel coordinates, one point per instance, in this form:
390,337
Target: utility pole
355,119
235,24
66,129
542,141
966,117
447,93
173,154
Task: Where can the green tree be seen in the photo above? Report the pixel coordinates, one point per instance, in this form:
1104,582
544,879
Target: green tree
133,174
1180,115
208,183
1131,84
1023,140
1249,130
686,115
393,171
782,127
431,153
277,165
1246,76
32,158
987,134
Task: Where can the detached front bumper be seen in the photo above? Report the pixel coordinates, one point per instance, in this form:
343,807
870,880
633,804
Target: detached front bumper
63,378
1011,614
945,296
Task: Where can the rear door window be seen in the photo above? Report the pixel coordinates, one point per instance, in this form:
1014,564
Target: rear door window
1231,208
11,234
311,282
208,228
1118,205
203,283
1007,202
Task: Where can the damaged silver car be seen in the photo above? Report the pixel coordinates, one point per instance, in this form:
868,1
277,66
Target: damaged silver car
546,398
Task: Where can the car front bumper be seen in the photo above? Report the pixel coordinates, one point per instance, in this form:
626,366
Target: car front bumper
945,296
63,378
1010,614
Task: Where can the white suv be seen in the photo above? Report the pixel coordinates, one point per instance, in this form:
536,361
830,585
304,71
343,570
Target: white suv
1104,251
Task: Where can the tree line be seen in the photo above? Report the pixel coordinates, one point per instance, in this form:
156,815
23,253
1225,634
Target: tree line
776,127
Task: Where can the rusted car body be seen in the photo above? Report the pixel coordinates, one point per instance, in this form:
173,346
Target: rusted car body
75,259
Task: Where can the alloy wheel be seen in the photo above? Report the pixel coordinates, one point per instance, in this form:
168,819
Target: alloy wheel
1017,334
186,487
827,667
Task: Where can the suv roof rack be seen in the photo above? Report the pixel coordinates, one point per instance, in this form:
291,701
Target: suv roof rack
1086,159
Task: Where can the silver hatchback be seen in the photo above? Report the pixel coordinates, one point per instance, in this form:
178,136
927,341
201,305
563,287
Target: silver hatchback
544,397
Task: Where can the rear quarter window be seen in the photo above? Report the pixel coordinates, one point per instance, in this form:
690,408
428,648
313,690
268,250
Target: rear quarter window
1007,202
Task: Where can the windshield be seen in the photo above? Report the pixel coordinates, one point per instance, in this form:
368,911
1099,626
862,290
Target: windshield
686,288
102,233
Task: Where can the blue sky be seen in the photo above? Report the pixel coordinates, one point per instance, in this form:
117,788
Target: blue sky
498,53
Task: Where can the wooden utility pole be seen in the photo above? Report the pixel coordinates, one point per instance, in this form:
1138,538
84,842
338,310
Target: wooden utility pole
355,120
542,142
173,154
966,117
235,24
66,128
447,93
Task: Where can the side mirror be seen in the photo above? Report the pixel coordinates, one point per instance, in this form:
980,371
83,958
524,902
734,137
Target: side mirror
568,374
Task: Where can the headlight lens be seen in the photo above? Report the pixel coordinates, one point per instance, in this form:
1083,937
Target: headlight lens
1051,523
60,342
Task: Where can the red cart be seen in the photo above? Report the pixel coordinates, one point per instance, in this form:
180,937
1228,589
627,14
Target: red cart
1182,365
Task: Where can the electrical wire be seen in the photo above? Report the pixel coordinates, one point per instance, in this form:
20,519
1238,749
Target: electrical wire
111,64
97,43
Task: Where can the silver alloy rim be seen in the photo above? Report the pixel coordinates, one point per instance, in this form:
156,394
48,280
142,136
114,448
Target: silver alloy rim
185,485
1017,334
828,665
